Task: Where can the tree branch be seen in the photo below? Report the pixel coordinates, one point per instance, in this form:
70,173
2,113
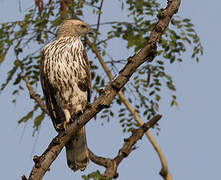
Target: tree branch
99,15
166,174
23,177
98,20
164,170
111,165
43,162
35,96
113,22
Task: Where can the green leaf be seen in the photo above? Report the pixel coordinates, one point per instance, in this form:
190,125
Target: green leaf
26,117
39,119
2,57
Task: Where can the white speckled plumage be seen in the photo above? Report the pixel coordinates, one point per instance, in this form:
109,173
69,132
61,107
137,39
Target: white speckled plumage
64,62
66,83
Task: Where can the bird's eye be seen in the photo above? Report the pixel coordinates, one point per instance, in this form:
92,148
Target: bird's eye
83,26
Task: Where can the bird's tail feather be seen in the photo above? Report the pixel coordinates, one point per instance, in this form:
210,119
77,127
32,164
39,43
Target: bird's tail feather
77,152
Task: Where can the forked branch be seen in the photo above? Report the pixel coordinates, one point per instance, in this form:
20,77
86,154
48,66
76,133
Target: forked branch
111,165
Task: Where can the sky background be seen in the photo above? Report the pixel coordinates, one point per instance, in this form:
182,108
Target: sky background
189,136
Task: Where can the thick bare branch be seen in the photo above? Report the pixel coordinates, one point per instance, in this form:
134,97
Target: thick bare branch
111,165
43,163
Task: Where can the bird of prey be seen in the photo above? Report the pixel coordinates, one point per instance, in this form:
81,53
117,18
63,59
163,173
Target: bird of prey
66,83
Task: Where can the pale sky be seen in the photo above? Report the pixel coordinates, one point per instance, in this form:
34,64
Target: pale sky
189,134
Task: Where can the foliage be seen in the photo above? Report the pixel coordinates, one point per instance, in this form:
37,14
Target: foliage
95,176
27,37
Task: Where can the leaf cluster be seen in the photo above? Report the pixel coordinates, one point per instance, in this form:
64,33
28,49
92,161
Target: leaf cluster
28,36
95,176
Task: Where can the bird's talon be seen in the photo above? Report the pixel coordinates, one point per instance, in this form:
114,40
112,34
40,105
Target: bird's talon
65,125
59,127
62,126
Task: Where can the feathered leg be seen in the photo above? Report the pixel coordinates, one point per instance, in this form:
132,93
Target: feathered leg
67,120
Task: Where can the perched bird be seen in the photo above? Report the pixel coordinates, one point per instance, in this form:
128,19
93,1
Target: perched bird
66,83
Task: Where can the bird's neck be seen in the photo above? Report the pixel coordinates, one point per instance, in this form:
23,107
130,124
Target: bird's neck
72,41
59,37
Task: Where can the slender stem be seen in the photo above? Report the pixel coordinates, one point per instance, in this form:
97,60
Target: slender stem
35,96
98,20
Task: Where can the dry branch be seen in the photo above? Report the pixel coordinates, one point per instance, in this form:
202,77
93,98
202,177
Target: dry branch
164,170
98,19
147,53
111,165
35,96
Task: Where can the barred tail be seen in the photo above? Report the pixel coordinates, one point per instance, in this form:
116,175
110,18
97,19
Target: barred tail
76,152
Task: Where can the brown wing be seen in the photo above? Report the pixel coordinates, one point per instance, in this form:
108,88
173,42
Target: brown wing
49,91
87,80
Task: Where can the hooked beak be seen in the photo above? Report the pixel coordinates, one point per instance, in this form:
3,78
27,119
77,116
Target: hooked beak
91,31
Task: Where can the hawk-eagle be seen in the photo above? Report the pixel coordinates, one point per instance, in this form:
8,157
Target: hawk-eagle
66,83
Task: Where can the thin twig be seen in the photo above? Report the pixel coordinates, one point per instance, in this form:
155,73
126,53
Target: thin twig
91,5
120,61
98,20
35,96
148,78
113,22
99,15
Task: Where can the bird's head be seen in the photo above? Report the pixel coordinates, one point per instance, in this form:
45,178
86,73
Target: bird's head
73,28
